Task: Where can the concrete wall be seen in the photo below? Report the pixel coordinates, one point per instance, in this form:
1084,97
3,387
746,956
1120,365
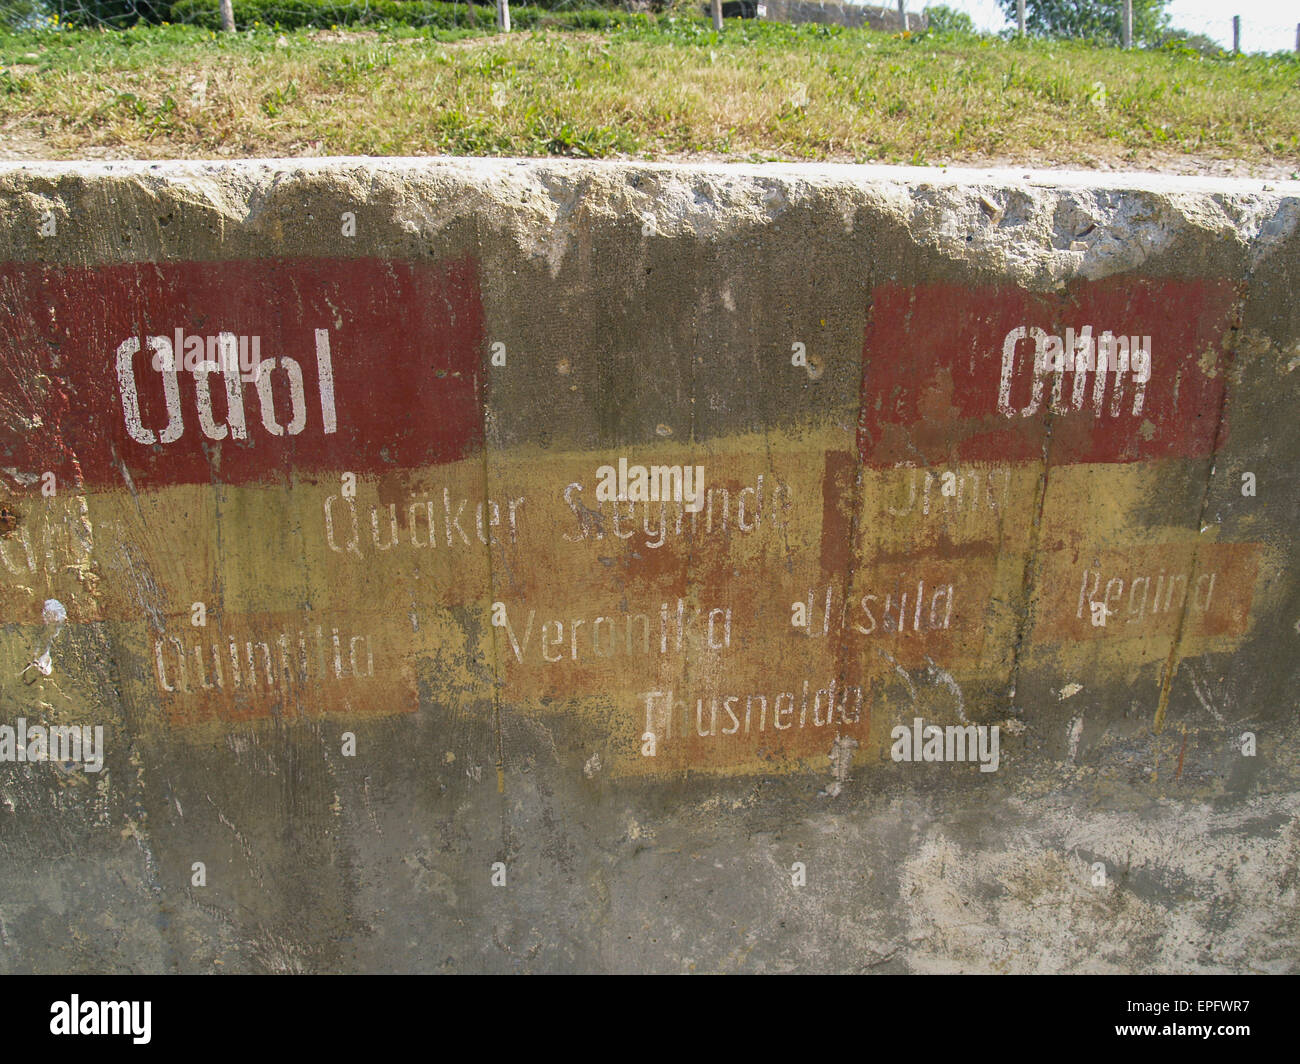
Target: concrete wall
363,636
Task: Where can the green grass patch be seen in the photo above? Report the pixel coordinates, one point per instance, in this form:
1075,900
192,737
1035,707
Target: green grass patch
602,83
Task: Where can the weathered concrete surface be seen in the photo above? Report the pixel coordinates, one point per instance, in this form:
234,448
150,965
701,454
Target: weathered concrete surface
499,641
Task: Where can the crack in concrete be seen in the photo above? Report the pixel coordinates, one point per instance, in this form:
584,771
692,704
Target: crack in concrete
1175,647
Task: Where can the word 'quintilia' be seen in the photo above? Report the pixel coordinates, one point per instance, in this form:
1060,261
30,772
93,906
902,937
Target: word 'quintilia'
282,659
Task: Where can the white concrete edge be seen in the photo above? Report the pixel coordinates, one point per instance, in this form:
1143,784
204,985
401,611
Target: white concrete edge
835,173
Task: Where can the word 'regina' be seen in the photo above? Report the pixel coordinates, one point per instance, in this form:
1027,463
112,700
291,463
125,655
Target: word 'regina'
1078,354
1171,597
655,484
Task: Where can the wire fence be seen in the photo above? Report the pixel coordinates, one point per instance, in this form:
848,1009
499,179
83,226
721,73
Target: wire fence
1199,24
1264,25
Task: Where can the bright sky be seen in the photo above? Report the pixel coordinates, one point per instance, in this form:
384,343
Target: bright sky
1266,25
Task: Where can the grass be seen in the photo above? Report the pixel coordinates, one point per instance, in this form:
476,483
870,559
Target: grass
652,89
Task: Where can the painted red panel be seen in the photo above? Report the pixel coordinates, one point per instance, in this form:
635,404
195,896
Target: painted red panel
934,389
401,342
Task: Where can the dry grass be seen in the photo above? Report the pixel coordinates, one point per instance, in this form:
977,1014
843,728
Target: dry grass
653,91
